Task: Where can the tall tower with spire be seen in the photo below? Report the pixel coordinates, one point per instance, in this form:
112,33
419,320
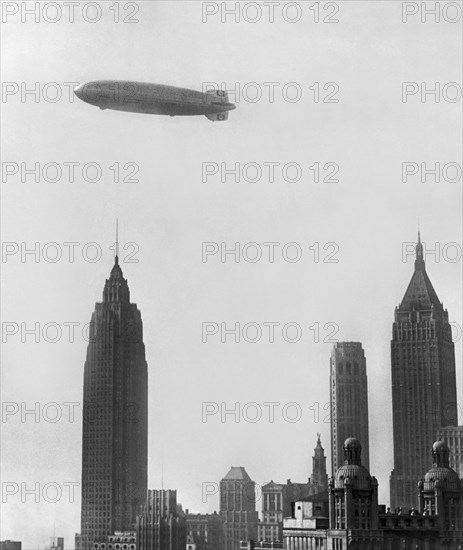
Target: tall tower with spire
423,381
319,477
115,416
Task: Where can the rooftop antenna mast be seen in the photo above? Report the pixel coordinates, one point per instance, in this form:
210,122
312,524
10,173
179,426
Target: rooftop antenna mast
117,241
162,468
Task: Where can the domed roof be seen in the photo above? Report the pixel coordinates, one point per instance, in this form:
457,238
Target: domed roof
440,446
354,474
441,475
444,477
352,443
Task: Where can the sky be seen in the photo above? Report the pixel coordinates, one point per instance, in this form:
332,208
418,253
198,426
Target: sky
340,279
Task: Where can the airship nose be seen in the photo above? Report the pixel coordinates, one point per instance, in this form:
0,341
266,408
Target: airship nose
79,91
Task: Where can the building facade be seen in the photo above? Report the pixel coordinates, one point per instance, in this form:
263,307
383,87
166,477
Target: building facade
238,508
356,522
423,381
120,540
10,545
249,545
161,525
349,400
453,437
441,492
56,543
278,499
353,493
270,527
115,416
204,531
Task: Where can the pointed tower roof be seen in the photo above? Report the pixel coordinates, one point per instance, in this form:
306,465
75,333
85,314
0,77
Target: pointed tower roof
319,450
238,473
420,293
116,288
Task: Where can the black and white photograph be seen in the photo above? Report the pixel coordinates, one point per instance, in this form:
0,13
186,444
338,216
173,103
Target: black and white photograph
231,275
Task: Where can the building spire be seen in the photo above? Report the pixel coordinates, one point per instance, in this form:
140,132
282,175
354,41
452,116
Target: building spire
319,477
116,288
116,252
419,261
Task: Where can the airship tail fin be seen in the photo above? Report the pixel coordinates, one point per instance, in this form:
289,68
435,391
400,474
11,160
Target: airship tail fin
218,116
221,96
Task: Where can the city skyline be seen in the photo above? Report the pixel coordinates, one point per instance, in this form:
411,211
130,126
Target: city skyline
117,271
356,229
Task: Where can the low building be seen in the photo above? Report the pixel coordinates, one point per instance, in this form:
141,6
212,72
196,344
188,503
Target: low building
270,528
56,543
204,531
250,545
278,499
119,540
357,522
10,545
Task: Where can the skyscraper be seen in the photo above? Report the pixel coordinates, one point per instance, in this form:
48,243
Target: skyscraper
161,524
238,508
115,416
453,437
349,401
423,381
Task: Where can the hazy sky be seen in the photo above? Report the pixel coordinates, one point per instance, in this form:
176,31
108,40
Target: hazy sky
169,212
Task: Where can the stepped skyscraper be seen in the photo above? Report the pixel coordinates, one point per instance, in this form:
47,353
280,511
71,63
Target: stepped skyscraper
115,416
349,401
423,381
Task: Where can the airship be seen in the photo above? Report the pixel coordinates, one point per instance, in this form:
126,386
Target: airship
155,99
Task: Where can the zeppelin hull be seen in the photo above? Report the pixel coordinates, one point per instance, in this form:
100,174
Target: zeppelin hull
154,99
